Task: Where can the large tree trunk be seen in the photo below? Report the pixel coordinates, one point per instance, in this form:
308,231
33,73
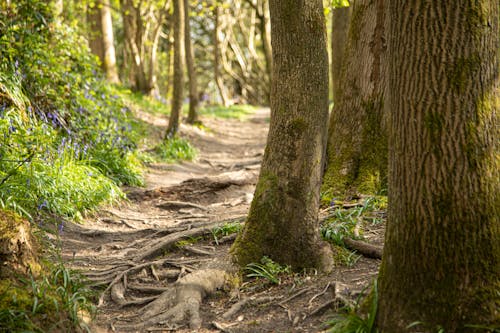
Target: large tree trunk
193,82
340,28
357,143
216,45
109,58
283,218
441,262
178,92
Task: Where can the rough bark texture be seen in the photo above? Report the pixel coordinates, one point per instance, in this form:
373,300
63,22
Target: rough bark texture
178,90
283,218
340,28
441,262
357,143
109,57
193,82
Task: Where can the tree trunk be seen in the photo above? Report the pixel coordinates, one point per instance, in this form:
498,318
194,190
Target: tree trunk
340,28
109,58
441,262
357,144
216,44
178,90
193,82
265,31
283,219
94,25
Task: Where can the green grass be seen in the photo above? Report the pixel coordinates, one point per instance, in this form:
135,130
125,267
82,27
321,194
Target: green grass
240,112
225,230
267,270
175,149
53,302
141,102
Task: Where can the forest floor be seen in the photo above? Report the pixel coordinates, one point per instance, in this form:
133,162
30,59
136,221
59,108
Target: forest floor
180,223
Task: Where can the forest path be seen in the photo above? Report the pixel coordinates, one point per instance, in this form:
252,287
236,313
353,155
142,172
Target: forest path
176,225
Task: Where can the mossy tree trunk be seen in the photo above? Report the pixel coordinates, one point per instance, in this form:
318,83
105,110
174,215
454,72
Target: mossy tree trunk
441,262
193,82
178,88
283,219
357,143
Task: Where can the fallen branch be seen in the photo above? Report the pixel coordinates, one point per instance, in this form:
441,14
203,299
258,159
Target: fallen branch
368,250
235,308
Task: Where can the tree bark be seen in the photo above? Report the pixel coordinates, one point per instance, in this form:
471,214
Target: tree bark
441,262
94,24
193,82
178,89
283,219
216,44
357,144
109,57
340,28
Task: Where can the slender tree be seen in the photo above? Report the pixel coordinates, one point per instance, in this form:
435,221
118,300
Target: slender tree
178,89
193,82
217,56
357,143
283,218
109,58
441,262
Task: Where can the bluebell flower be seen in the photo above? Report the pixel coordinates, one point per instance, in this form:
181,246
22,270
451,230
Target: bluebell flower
42,205
61,227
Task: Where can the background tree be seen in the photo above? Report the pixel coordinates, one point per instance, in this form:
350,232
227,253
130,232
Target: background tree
442,251
101,38
340,28
357,143
178,93
193,82
283,218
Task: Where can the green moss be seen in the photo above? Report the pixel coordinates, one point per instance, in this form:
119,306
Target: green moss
462,70
248,246
297,126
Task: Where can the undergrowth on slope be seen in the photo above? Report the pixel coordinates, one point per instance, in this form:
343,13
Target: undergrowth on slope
237,111
66,138
57,300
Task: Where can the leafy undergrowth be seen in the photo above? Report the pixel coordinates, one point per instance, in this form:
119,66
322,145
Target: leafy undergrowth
55,301
175,149
350,222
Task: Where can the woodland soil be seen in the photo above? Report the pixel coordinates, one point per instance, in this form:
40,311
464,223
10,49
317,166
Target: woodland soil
178,200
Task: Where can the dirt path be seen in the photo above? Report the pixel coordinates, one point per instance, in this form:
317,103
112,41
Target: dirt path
146,248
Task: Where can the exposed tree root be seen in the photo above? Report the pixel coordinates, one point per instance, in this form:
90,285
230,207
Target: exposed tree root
180,204
368,250
235,308
189,293
167,242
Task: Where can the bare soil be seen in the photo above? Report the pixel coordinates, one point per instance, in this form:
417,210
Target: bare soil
152,246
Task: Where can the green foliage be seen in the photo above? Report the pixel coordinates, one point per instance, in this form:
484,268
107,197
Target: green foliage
267,269
345,257
347,222
237,111
56,301
66,139
352,322
225,230
175,149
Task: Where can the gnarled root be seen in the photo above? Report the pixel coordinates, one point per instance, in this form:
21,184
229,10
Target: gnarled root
189,293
